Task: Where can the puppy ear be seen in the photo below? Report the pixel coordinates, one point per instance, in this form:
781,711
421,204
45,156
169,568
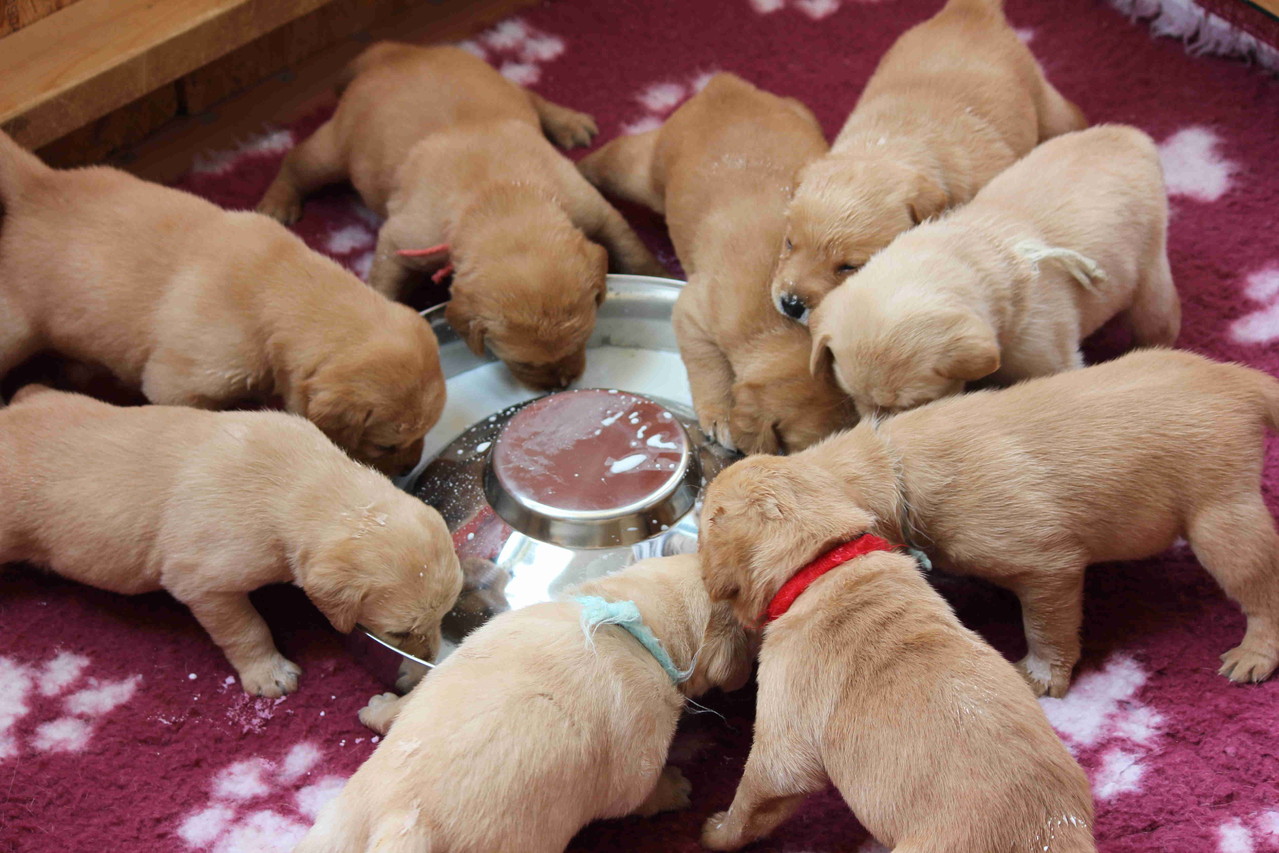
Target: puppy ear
728,649
472,329
600,282
337,410
338,592
822,357
927,198
971,353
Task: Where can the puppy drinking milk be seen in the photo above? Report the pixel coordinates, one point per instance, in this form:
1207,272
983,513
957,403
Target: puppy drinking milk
1028,486
954,102
721,169
198,306
453,154
1008,286
868,681
209,506
543,720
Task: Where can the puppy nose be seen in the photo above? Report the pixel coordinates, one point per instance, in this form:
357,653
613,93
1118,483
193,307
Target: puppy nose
792,306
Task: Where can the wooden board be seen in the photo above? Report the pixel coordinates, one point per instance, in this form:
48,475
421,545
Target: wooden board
1271,6
16,14
72,67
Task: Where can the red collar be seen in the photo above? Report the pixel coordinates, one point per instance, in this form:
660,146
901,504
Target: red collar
804,578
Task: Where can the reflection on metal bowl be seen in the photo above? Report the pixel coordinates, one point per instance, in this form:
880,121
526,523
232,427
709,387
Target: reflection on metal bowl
544,492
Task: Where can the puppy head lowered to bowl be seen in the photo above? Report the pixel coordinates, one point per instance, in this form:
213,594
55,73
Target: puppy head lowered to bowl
542,493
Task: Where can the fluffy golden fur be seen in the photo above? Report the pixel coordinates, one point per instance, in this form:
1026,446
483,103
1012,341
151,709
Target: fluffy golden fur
198,306
869,682
210,506
954,102
1028,486
453,153
1008,286
721,169
528,732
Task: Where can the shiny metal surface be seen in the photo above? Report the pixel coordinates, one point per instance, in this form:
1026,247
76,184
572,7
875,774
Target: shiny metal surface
633,350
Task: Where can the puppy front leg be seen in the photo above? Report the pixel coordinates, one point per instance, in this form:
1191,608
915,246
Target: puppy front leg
762,803
245,639
388,275
1052,602
710,376
566,128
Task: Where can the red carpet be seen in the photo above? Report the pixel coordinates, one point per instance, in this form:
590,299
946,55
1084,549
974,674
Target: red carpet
121,728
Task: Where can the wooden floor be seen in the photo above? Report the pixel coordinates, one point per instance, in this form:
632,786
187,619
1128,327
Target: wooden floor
168,153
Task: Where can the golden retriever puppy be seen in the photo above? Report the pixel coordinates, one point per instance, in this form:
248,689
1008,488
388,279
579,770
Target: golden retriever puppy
209,506
1007,287
197,306
954,102
453,154
1026,487
722,169
539,724
868,681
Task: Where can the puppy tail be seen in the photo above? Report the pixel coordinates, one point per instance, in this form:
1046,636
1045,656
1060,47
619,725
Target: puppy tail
17,164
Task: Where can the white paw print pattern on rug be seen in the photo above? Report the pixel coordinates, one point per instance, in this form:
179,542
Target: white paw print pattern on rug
270,144
1194,166
1262,325
1251,835
260,806
47,691
517,49
815,9
659,100
1100,713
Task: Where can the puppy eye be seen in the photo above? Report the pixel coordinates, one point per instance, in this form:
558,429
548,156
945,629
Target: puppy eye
386,448
789,245
845,269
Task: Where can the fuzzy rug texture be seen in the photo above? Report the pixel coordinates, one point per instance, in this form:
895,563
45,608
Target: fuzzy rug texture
122,727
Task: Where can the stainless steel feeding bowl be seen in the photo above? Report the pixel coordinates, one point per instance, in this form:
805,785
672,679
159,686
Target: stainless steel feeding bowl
544,492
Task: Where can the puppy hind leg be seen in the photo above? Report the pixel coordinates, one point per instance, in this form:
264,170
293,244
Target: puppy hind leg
670,794
624,169
1155,313
566,128
317,161
1238,545
1057,115
1052,613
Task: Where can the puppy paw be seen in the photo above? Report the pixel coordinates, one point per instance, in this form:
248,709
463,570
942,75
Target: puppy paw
1044,679
573,129
285,210
676,790
1242,665
272,677
718,833
716,426
380,712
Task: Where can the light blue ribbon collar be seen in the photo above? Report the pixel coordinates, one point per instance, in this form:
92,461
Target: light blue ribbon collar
597,611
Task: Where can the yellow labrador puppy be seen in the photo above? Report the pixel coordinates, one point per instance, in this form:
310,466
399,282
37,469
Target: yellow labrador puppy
1007,287
956,101
541,722
197,306
455,156
210,506
722,169
868,681
1028,486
